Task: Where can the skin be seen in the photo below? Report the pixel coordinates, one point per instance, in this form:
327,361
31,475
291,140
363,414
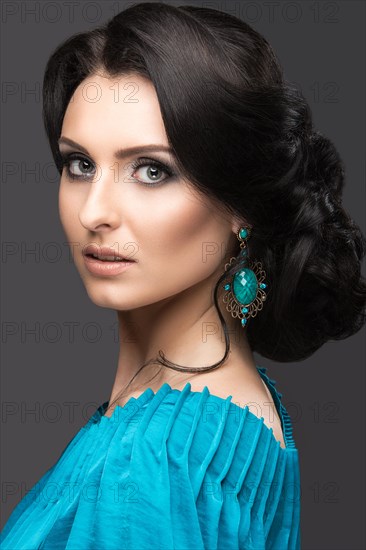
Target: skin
165,300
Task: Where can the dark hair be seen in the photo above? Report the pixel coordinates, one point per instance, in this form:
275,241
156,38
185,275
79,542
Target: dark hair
244,137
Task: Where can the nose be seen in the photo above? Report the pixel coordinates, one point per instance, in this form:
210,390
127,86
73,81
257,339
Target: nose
100,210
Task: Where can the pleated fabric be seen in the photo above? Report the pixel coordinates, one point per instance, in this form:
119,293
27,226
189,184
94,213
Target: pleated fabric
175,469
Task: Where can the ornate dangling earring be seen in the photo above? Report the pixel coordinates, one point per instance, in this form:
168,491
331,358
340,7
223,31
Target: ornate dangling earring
245,294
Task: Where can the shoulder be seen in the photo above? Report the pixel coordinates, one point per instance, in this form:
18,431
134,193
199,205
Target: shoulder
247,391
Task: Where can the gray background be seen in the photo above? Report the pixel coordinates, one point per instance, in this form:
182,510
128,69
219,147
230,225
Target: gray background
46,368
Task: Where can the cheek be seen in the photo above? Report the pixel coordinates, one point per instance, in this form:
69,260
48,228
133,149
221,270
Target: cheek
185,243
62,206
67,206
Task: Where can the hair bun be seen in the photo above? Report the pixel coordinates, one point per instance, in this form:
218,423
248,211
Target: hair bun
325,170
299,117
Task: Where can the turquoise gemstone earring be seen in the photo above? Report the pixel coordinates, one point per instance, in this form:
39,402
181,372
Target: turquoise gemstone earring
245,294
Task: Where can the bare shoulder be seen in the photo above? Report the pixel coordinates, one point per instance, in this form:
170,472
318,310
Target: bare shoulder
250,392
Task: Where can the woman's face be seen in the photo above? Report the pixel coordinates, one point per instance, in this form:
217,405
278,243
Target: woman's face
147,213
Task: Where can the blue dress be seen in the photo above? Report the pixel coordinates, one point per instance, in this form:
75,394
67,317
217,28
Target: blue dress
175,469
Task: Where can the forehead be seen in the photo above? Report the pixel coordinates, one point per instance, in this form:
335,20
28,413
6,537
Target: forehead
126,105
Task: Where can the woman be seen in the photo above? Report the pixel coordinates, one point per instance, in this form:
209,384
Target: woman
205,209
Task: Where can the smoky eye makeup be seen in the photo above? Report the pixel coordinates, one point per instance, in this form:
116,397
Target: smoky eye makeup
80,167
80,162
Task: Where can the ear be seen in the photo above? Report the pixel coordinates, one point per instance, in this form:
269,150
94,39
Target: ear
237,223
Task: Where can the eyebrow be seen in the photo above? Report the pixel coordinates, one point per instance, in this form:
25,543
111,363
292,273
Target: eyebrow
121,153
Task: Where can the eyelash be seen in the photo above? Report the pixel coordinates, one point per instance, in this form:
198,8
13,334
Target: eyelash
151,162
67,158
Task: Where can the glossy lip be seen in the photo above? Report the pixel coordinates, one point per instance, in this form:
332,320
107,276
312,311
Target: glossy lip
103,251
105,268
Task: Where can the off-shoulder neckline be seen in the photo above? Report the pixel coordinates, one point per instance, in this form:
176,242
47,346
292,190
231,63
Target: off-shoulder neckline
165,388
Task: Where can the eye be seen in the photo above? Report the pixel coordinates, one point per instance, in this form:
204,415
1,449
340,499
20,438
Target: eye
152,170
77,166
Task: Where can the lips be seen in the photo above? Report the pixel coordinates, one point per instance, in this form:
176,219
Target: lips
104,254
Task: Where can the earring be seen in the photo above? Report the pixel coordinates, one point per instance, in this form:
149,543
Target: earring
245,293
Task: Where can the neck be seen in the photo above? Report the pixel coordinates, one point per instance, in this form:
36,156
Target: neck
188,330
